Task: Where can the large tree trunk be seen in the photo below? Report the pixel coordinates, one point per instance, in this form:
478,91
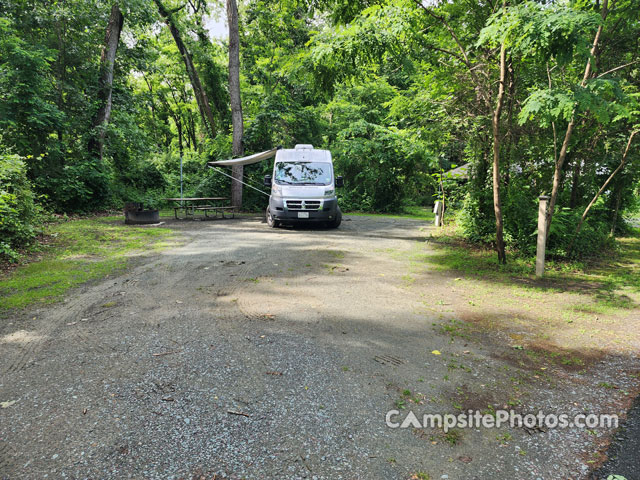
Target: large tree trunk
557,174
201,97
497,206
234,97
107,59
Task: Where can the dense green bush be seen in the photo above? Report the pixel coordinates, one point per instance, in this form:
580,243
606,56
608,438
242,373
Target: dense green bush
377,167
594,237
18,211
476,221
475,218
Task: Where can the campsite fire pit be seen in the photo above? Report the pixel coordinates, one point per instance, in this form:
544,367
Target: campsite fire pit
135,214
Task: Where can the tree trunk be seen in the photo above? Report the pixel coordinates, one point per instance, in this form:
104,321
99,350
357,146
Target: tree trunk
201,97
497,206
234,97
575,183
107,59
567,137
614,219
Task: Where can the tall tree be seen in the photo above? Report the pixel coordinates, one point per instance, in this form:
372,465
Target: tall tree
235,100
201,97
588,71
495,122
107,59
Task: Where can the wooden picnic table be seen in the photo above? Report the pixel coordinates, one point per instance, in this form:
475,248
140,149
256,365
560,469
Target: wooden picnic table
201,204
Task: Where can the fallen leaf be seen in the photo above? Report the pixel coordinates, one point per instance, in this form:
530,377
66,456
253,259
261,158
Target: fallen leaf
465,459
7,404
436,352
233,412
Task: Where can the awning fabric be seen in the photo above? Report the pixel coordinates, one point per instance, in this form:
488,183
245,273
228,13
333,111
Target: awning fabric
460,173
255,158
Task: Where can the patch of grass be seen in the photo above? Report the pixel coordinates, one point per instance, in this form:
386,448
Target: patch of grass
607,385
504,438
455,328
453,437
621,269
83,250
417,213
420,476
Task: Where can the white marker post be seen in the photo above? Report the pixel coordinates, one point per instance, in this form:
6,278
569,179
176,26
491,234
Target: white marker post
437,209
542,235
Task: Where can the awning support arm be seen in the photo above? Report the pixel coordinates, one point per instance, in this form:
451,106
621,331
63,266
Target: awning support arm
234,178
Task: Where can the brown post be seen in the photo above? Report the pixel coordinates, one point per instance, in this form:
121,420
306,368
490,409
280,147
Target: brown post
542,235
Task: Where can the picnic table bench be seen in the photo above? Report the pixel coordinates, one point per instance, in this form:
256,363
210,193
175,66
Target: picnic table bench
191,205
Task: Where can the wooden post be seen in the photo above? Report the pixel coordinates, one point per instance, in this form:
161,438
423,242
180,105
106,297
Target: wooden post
542,235
437,209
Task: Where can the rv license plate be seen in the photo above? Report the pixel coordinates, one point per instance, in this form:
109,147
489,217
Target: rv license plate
303,214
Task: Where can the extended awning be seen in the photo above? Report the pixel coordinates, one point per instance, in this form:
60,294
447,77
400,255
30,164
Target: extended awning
255,158
460,173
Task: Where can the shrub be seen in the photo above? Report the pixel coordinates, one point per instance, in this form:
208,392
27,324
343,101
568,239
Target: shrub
475,218
18,211
376,164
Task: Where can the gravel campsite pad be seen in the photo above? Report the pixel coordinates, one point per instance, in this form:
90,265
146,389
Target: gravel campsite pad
249,352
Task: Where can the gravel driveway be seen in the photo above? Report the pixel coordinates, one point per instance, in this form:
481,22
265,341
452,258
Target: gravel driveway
255,353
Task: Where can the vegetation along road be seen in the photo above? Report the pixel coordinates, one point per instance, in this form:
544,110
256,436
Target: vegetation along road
248,352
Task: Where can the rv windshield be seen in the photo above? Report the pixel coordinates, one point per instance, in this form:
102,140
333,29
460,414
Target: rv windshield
303,173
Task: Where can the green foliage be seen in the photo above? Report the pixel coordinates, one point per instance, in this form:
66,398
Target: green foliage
593,239
19,215
542,31
376,163
475,218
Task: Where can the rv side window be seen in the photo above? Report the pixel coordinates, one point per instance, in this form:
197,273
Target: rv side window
303,173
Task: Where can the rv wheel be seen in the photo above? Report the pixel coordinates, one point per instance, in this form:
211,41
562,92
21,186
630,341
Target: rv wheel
337,221
273,223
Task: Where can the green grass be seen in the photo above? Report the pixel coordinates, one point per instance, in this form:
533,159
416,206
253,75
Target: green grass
605,286
621,269
82,250
416,213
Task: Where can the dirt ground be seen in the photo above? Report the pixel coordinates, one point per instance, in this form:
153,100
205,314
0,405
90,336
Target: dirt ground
255,353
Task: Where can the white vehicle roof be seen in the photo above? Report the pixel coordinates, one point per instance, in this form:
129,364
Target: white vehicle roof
303,153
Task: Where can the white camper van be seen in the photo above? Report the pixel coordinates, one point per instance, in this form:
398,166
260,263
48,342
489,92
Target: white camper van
303,188
303,185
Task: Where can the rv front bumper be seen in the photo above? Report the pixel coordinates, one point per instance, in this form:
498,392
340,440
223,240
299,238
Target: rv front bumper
307,210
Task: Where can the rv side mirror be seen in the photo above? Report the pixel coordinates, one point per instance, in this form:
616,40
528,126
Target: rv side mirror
339,182
267,180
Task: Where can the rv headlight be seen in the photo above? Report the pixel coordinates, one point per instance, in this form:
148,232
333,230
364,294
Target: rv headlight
329,193
276,190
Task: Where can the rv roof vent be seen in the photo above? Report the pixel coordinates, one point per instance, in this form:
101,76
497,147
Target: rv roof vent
302,146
